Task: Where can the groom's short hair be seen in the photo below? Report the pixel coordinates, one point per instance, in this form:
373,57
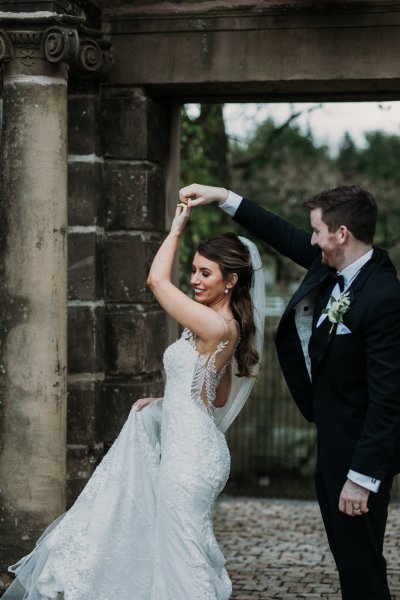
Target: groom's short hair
347,205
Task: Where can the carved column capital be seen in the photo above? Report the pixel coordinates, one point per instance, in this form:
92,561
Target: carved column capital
60,44
6,47
28,43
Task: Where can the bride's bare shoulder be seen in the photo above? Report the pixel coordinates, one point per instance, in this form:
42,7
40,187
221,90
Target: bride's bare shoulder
227,336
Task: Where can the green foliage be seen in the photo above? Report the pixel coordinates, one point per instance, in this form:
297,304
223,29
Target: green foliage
348,158
375,168
280,167
204,159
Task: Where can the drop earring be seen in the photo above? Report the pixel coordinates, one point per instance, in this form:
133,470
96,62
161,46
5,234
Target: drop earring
226,290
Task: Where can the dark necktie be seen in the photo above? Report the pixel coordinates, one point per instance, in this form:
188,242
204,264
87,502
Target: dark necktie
340,280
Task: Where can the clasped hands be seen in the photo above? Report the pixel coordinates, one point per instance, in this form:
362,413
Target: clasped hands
195,195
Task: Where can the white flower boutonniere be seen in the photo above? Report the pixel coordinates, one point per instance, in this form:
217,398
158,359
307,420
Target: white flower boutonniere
337,308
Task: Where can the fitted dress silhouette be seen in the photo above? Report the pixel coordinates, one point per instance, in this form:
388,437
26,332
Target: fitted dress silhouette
142,527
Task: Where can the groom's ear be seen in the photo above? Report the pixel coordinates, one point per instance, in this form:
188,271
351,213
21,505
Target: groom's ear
343,233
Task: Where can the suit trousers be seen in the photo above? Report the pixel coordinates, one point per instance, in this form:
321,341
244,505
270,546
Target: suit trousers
356,542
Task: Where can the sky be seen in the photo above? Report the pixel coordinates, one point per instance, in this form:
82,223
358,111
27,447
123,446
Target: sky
328,121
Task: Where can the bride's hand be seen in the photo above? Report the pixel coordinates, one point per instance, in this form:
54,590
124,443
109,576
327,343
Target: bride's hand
181,217
142,402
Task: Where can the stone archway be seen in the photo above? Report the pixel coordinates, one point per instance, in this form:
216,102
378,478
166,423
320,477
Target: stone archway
122,170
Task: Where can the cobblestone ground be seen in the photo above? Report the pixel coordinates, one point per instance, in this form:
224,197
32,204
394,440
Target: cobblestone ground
278,549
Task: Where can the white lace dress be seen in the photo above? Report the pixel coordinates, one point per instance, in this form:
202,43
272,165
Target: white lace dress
142,527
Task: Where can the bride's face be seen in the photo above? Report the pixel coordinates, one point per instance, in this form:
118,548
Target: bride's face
207,280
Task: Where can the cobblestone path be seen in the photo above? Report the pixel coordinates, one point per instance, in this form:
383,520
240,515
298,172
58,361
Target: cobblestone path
278,549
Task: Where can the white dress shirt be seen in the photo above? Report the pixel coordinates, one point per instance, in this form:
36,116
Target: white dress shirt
230,206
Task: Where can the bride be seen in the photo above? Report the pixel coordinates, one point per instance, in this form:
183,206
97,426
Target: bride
142,527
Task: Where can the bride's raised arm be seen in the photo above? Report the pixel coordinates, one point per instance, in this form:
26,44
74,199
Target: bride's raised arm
203,321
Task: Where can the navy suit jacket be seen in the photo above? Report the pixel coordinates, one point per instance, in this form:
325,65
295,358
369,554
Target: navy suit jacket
354,395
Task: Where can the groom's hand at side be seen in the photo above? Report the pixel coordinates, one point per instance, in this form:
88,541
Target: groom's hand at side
197,195
351,496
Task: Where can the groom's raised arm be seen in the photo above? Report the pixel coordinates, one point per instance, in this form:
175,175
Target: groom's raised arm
276,232
270,228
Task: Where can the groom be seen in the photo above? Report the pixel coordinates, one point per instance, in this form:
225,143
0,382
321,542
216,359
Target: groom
338,343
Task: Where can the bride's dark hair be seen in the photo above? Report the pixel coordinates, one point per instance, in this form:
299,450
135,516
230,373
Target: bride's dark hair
232,256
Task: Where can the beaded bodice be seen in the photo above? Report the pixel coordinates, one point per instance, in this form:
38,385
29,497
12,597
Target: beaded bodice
202,372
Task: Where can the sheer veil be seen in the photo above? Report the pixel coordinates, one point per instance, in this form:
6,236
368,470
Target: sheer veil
242,386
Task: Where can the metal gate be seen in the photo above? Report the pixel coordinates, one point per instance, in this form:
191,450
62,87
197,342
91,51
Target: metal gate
272,446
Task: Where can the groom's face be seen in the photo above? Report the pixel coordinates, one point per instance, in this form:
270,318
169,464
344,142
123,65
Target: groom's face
329,242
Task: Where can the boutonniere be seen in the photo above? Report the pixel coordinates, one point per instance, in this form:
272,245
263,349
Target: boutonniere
336,309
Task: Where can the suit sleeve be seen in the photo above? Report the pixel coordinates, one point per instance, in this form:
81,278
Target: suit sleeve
376,444
278,233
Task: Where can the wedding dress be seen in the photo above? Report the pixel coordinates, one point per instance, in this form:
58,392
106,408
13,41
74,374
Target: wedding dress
142,527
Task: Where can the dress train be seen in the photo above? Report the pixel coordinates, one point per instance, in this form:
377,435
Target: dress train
87,553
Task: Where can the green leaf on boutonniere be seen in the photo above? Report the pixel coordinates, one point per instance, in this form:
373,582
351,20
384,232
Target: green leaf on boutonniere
336,309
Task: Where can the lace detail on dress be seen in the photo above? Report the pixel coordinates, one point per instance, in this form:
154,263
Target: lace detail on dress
142,528
206,377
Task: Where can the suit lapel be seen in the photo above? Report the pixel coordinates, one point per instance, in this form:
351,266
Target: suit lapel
321,339
306,287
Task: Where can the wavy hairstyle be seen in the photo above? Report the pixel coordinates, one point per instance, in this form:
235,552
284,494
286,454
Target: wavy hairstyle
232,256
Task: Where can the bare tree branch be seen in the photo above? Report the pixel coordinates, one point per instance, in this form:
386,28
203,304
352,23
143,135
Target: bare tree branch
243,163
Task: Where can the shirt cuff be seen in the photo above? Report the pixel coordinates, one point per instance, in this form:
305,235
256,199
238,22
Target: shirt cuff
231,204
366,482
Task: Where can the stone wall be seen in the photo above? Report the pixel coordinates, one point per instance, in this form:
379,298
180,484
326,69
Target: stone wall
118,164
257,50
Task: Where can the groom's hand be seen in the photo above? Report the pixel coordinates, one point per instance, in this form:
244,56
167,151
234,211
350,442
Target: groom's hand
197,195
353,499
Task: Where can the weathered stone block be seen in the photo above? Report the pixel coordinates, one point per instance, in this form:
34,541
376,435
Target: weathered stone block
117,400
84,266
85,339
133,195
83,399
78,465
73,488
127,263
83,87
81,462
135,339
84,193
83,137
134,126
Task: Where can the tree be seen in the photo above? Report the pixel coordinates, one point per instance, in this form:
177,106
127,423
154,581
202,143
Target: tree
375,167
204,158
280,167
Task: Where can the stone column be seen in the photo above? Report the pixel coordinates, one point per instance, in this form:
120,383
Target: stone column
33,276
33,304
